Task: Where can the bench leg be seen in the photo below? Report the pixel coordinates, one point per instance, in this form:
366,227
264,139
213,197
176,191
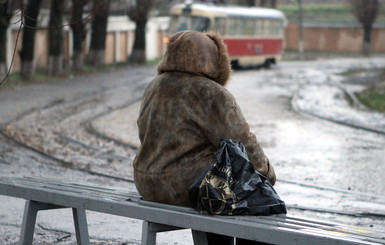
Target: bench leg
150,229
29,220
148,235
199,237
81,228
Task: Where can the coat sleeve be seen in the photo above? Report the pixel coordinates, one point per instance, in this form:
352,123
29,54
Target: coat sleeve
225,120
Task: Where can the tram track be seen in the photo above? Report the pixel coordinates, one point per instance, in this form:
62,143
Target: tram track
289,206
90,142
356,105
63,163
72,166
66,124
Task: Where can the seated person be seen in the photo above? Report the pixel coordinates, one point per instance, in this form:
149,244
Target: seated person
185,112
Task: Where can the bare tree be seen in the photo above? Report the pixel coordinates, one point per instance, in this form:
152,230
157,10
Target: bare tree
366,12
138,12
78,32
5,16
27,52
28,23
251,3
300,27
98,32
55,59
268,3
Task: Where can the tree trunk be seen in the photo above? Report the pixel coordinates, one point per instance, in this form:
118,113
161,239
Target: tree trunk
138,54
77,61
28,42
3,71
3,43
139,14
55,60
367,39
268,3
300,27
78,34
366,12
4,23
263,3
99,32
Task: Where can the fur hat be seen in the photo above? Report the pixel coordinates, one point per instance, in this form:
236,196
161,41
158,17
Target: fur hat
203,54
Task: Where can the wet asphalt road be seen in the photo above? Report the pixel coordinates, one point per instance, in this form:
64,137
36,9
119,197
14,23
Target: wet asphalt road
83,129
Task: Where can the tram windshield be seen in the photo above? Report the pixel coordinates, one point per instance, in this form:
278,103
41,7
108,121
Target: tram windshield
182,22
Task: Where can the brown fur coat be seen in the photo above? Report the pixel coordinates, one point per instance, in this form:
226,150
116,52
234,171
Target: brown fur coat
184,113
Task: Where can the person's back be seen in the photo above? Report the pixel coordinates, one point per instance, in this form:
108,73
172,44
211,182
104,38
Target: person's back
185,112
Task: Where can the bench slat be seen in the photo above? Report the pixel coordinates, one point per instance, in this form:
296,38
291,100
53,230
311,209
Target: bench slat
332,227
279,229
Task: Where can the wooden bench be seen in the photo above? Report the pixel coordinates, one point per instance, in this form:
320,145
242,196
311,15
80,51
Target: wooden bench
43,194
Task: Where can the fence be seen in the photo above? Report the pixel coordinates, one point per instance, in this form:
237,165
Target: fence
337,38
119,42
120,38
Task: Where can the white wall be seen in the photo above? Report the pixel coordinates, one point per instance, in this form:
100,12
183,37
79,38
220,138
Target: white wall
152,28
116,25
122,23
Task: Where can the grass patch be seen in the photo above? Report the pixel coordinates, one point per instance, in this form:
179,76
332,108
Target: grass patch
41,75
373,98
291,55
378,72
153,62
324,13
354,71
15,79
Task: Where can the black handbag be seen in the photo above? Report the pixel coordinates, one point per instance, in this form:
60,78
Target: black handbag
231,186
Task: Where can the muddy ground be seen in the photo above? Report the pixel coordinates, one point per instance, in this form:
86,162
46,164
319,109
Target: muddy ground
326,148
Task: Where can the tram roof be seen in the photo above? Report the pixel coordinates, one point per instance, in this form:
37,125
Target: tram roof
235,11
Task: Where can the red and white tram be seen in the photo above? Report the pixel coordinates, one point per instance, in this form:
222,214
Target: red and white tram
254,36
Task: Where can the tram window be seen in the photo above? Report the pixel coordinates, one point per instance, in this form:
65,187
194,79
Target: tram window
258,27
266,27
236,27
249,26
181,23
200,23
274,28
220,25
280,28
270,28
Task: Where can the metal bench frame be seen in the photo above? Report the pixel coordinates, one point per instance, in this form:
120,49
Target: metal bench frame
29,220
149,229
278,229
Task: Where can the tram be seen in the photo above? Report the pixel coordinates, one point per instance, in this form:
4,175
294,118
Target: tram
254,36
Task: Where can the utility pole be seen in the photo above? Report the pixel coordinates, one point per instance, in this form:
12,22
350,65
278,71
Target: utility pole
300,27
